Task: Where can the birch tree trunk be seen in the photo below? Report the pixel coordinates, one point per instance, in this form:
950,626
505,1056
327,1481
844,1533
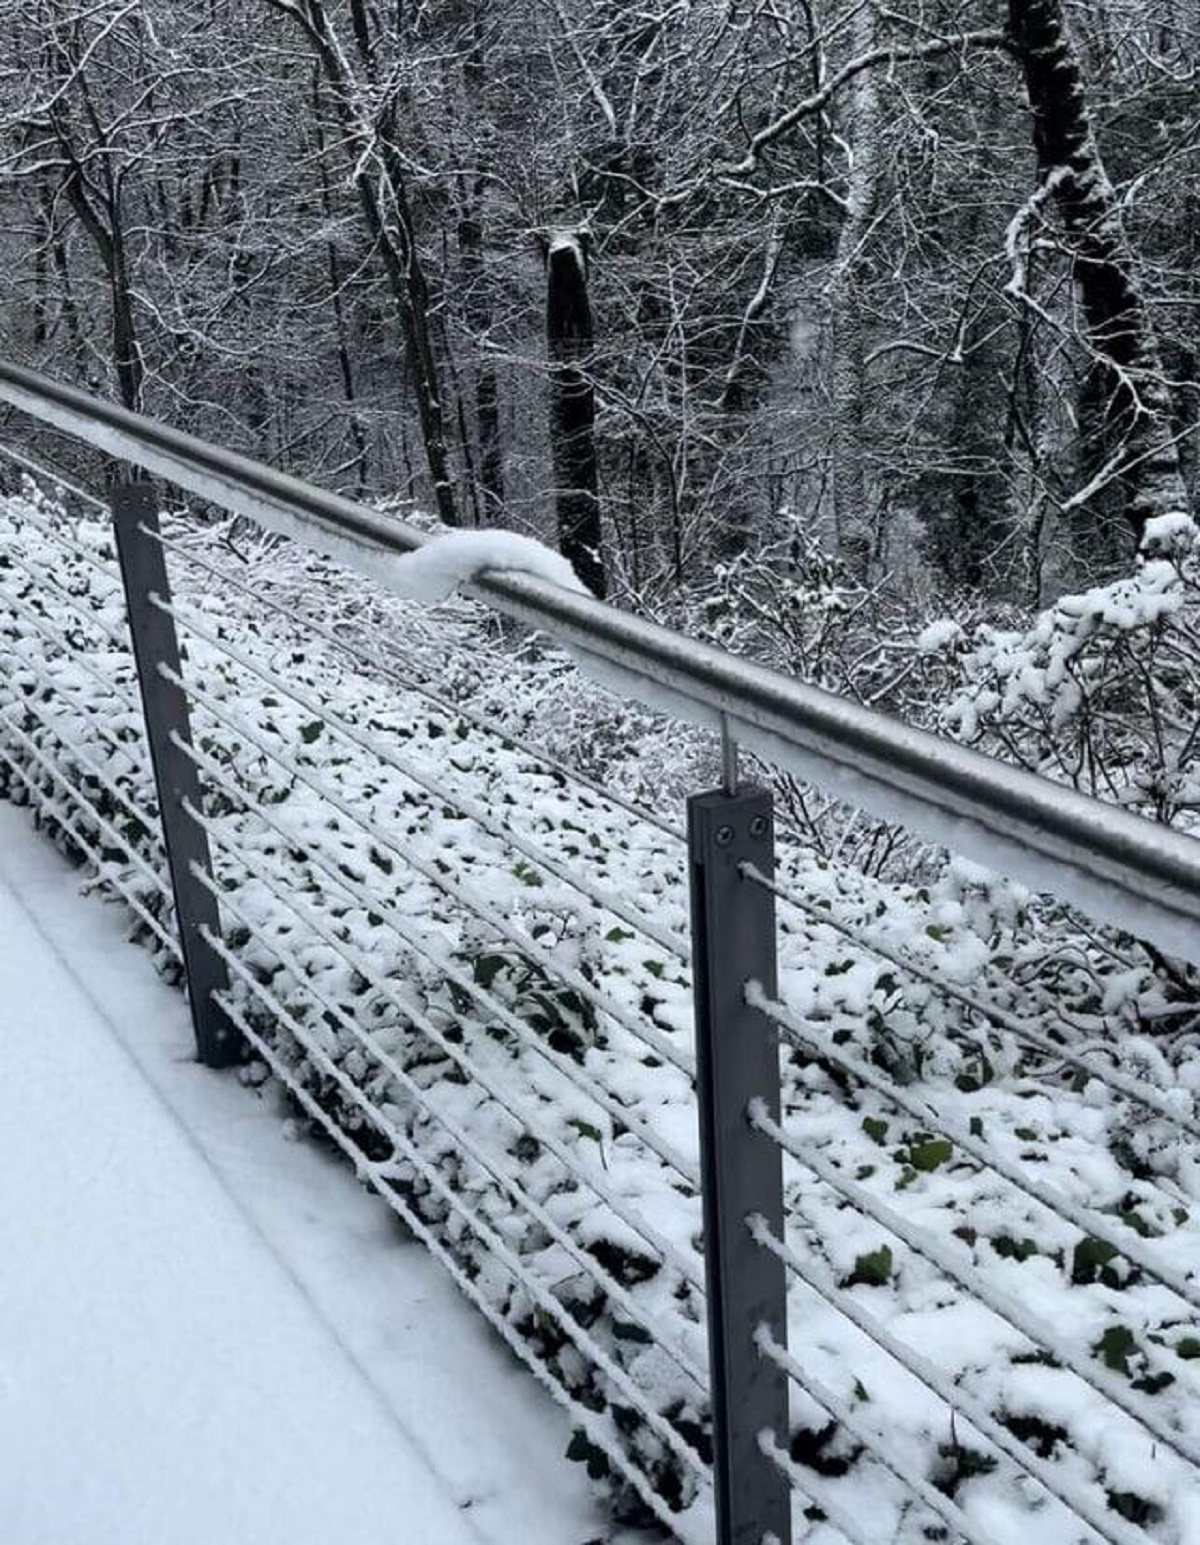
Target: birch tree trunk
850,484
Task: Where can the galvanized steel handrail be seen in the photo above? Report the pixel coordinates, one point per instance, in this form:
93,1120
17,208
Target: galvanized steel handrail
1116,866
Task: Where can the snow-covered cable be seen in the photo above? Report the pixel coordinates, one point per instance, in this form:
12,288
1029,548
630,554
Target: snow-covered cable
663,1338
480,1227
375,1174
28,463
64,539
688,1269
651,1038
592,1089
106,683
124,799
880,1450
104,867
1122,1238
599,895
811,1489
105,825
976,1283
88,616
1135,1089
75,750
1106,1524
413,683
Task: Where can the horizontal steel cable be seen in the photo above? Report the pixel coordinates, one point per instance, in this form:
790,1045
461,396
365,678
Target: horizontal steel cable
54,533
591,1089
375,1174
51,476
77,657
811,1489
106,826
103,866
664,1339
1145,1094
880,1450
480,1227
411,683
86,615
1109,1526
68,695
1003,1305
1122,1237
520,1113
652,1039
599,895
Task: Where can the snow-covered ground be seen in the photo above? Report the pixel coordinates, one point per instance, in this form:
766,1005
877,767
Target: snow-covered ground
208,1333
473,966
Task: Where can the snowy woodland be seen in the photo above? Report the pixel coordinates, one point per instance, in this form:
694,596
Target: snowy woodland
860,339
921,276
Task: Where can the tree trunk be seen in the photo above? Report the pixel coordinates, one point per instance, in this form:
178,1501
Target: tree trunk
478,301
397,240
850,484
341,337
381,183
487,389
108,236
573,410
1143,457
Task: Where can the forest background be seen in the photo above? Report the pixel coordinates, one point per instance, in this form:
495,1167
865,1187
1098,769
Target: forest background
907,295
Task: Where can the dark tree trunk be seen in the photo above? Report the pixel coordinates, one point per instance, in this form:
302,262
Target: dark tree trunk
478,301
397,241
106,232
41,282
1139,411
487,390
569,338
127,353
381,183
69,310
345,363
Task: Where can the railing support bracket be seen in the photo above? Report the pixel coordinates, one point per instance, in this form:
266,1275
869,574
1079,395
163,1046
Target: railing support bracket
737,1062
164,705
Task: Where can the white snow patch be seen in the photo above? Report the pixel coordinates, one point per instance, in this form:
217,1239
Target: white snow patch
1172,533
938,635
447,562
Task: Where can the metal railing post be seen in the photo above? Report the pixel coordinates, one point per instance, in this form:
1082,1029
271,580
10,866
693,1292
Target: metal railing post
737,1062
165,708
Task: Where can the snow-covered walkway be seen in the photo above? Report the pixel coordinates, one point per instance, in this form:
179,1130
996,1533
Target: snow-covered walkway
207,1333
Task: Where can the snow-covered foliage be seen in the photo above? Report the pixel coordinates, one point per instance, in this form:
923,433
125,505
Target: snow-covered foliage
405,883
1103,691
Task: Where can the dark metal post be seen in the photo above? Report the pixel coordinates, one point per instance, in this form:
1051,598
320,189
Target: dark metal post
144,572
737,1061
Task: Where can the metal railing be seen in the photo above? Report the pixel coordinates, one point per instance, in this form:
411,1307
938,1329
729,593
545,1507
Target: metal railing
638,1213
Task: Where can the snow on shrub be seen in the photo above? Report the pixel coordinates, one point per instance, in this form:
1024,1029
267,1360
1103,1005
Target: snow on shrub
442,994
1103,690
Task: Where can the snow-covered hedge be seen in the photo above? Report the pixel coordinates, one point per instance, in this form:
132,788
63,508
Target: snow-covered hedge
1103,690
563,1089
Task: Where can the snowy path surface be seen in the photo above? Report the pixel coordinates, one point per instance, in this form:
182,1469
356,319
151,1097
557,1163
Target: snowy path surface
208,1333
